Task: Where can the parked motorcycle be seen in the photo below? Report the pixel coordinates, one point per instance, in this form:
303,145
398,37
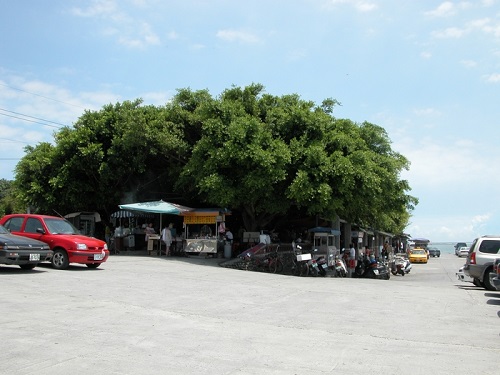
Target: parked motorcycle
322,265
339,267
400,266
313,267
370,268
302,266
318,265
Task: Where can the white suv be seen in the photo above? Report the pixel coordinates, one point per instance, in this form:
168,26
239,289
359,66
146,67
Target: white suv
479,264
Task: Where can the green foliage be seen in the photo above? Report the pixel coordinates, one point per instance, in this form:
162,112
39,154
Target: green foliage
260,154
8,202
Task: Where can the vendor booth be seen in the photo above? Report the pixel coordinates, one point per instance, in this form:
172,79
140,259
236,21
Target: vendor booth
84,221
155,207
202,230
323,240
201,226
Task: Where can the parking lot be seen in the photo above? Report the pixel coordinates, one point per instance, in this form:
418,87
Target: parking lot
151,315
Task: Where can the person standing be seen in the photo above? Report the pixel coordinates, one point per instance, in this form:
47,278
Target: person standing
352,260
166,236
229,236
107,234
149,230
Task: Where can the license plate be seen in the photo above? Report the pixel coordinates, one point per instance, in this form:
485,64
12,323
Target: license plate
325,266
375,272
34,257
98,256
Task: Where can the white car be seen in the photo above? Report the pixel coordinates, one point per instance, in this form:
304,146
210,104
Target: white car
461,276
463,251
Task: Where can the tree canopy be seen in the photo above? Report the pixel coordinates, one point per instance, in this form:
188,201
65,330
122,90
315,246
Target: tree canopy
246,150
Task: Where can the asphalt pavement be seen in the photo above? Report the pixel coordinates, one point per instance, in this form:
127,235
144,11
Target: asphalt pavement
157,315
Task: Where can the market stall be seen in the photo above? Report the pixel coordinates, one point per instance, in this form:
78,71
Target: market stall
156,207
323,240
201,230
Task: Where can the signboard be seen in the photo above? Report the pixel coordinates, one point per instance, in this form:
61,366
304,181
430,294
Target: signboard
200,219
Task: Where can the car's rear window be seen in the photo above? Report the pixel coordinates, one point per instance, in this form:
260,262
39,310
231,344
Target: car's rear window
490,246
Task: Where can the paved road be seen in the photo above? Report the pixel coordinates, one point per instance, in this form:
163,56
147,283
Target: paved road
150,315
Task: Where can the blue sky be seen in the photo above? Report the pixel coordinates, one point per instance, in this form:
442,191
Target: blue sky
426,71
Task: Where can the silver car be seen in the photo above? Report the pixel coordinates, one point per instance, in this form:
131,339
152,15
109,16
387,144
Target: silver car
479,264
495,275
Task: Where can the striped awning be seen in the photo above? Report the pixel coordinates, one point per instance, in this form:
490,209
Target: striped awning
123,214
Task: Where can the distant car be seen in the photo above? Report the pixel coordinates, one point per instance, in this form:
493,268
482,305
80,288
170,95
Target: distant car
463,251
479,264
68,245
495,275
434,251
458,245
418,256
21,251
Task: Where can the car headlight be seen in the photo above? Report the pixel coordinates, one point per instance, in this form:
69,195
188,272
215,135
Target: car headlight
81,246
105,246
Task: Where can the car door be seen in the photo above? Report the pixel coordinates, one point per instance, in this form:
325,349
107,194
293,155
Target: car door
33,228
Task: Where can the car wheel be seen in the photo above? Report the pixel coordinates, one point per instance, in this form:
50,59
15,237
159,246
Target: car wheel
60,260
93,265
27,266
486,280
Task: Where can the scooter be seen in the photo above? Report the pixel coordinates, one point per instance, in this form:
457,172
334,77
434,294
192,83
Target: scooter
371,268
319,266
313,267
322,265
400,266
340,267
302,266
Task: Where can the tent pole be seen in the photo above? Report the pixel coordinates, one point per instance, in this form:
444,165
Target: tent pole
159,241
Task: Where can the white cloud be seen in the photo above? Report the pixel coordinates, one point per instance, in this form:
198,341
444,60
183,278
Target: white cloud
172,35
237,36
363,6
97,8
437,166
488,3
451,228
425,55
130,32
494,78
359,5
145,36
156,98
485,25
445,9
450,32
426,112
469,63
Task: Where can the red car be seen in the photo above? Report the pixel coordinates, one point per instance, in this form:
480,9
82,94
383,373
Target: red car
64,239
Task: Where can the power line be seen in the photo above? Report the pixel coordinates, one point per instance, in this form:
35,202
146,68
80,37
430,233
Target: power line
41,96
36,122
36,118
14,140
